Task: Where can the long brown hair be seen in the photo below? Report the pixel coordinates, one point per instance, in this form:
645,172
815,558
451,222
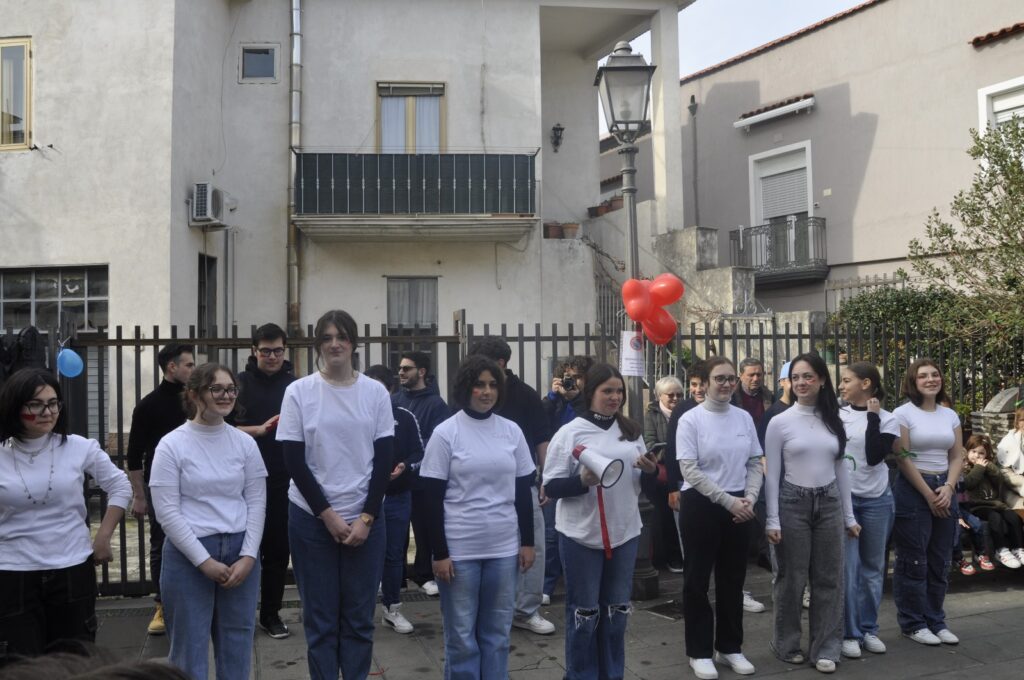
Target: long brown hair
597,376
910,382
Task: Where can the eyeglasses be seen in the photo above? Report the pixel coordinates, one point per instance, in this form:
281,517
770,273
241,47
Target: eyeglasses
219,391
725,379
267,352
674,395
403,369
36,408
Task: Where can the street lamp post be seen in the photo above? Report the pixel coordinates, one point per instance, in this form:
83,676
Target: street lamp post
624,84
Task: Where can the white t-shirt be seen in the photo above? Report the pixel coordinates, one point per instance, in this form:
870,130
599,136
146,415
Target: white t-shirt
866,481
721,443
798,440
480,459
1010,452
932,434
209,480
577,517
338,426
52,536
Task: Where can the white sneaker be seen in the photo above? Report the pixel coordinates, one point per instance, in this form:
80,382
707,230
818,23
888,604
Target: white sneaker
535,624
946,637
851,648
545,600
924,636
1007,559
1019,554
737,662
873,644
807,598
825,665
430,588
704,669
393,617
750,604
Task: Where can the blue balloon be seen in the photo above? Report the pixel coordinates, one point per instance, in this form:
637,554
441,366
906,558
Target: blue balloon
69,363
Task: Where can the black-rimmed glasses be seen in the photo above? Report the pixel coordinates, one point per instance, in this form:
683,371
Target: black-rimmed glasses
37,408
219,391
267,352
725,379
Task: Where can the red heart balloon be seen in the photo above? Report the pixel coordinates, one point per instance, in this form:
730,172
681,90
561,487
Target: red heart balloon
633,289
662,323
653,336
666,289
639,308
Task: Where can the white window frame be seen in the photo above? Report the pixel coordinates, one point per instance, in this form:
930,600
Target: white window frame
753,177
986,117
25,42
242,47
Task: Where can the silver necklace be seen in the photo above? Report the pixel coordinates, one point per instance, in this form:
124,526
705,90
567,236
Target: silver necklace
32,457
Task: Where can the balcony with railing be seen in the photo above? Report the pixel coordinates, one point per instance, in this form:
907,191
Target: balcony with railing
416,197
782,253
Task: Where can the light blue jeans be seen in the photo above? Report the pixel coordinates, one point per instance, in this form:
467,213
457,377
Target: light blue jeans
197,609
865,564
476,608
597,607
338,587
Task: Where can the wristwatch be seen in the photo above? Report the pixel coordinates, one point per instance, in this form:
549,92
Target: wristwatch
367,518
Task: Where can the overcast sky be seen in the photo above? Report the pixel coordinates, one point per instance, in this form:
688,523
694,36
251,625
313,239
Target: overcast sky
711,31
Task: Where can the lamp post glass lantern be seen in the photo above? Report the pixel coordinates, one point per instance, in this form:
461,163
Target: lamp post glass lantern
624,84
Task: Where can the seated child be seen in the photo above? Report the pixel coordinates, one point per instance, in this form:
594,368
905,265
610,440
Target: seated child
985,485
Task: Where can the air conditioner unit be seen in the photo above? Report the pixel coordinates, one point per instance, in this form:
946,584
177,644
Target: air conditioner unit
207,206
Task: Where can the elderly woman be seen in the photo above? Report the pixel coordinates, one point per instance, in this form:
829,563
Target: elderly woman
47,572
669,392
477,475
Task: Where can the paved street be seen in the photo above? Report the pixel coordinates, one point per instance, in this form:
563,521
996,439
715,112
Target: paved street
986,611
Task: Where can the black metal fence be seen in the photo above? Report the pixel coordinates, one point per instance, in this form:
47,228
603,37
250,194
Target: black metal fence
447,183
121,367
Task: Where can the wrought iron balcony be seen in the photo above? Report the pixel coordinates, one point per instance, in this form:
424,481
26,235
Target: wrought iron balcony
416,196
783,252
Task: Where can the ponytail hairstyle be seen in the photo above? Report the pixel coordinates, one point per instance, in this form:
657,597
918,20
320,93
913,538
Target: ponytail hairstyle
865,370
597,375
826,405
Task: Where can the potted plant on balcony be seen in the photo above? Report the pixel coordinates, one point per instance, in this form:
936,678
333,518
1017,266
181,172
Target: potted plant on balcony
570,229
615,203
552,230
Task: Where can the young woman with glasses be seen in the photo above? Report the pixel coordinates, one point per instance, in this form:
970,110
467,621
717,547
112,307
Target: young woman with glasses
47,573
720,461
664,532
808,497
337,433
210,494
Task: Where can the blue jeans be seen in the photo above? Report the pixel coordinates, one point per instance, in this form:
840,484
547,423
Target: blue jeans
338,587
865,564
397,509
597,605
552,560
197,609
476,608
924,550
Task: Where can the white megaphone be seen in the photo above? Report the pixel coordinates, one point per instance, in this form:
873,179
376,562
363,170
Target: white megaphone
608,471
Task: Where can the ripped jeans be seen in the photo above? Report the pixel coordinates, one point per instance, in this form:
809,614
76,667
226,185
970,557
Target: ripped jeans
597,607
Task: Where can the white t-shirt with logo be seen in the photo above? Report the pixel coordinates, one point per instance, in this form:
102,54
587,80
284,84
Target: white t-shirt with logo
721,443
866,481
338,425
932,434
480,459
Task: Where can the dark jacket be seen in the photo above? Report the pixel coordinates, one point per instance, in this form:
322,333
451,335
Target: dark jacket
158,413
259,399
767,399
408,449
561,411
522,405
426,404
985,486
655,426
769,413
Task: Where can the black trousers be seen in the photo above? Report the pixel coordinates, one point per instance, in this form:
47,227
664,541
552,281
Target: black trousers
422,569
274,552
38,608
1004,527
712,543
664,533
156,544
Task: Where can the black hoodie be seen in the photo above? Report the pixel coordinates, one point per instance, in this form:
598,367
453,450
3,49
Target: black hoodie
259,398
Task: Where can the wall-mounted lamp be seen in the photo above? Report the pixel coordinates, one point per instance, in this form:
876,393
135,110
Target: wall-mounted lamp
556,136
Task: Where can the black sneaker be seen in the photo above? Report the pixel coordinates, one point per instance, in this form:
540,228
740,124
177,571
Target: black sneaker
274,626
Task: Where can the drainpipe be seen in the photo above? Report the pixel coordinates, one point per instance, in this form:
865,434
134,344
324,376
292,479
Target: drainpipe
294,144
692,108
